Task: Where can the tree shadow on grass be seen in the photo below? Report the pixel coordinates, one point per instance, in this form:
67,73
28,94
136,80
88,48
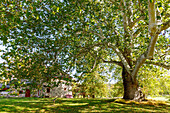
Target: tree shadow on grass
61,105
21,104
139,107
109,106
74,106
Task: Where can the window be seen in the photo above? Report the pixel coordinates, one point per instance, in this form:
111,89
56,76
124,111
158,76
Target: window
48,90
20,92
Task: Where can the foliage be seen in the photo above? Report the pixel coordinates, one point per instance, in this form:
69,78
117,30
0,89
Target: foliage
30,52
46,38
116,90
94,84
154,81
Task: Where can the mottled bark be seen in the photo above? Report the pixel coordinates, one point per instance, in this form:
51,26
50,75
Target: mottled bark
132,91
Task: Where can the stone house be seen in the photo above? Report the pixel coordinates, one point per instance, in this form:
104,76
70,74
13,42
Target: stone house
63,90
59,92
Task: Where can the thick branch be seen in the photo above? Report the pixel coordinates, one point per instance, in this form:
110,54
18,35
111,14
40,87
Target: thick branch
151,47
139,63
125,21
158,64
129,11
125,63
150,51
152,17
152,29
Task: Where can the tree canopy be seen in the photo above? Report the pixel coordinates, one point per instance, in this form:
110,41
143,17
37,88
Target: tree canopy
55,37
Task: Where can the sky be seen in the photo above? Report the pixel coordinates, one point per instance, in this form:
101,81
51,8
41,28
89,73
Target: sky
1,48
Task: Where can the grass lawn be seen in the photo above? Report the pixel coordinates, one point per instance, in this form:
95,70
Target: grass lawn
77,105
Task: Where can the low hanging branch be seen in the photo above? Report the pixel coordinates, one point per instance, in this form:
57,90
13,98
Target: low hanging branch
123,60
114,62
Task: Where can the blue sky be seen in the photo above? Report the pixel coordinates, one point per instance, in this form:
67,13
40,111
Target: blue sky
1,48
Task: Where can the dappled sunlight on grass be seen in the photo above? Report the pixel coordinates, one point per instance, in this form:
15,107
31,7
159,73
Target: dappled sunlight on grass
74,104
78,105
53,105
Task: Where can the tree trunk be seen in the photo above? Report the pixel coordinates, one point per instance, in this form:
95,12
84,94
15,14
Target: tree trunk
132,91
84,95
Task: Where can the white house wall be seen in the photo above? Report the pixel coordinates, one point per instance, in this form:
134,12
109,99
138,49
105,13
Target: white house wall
59,91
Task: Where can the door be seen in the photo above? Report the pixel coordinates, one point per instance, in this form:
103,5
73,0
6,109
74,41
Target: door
27,93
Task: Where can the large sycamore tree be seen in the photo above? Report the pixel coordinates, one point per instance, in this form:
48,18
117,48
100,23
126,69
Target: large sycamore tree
81,34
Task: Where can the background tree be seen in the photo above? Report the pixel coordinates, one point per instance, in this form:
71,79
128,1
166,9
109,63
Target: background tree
94,85
76,33
154,81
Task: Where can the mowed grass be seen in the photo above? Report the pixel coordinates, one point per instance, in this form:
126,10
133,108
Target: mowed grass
78,105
